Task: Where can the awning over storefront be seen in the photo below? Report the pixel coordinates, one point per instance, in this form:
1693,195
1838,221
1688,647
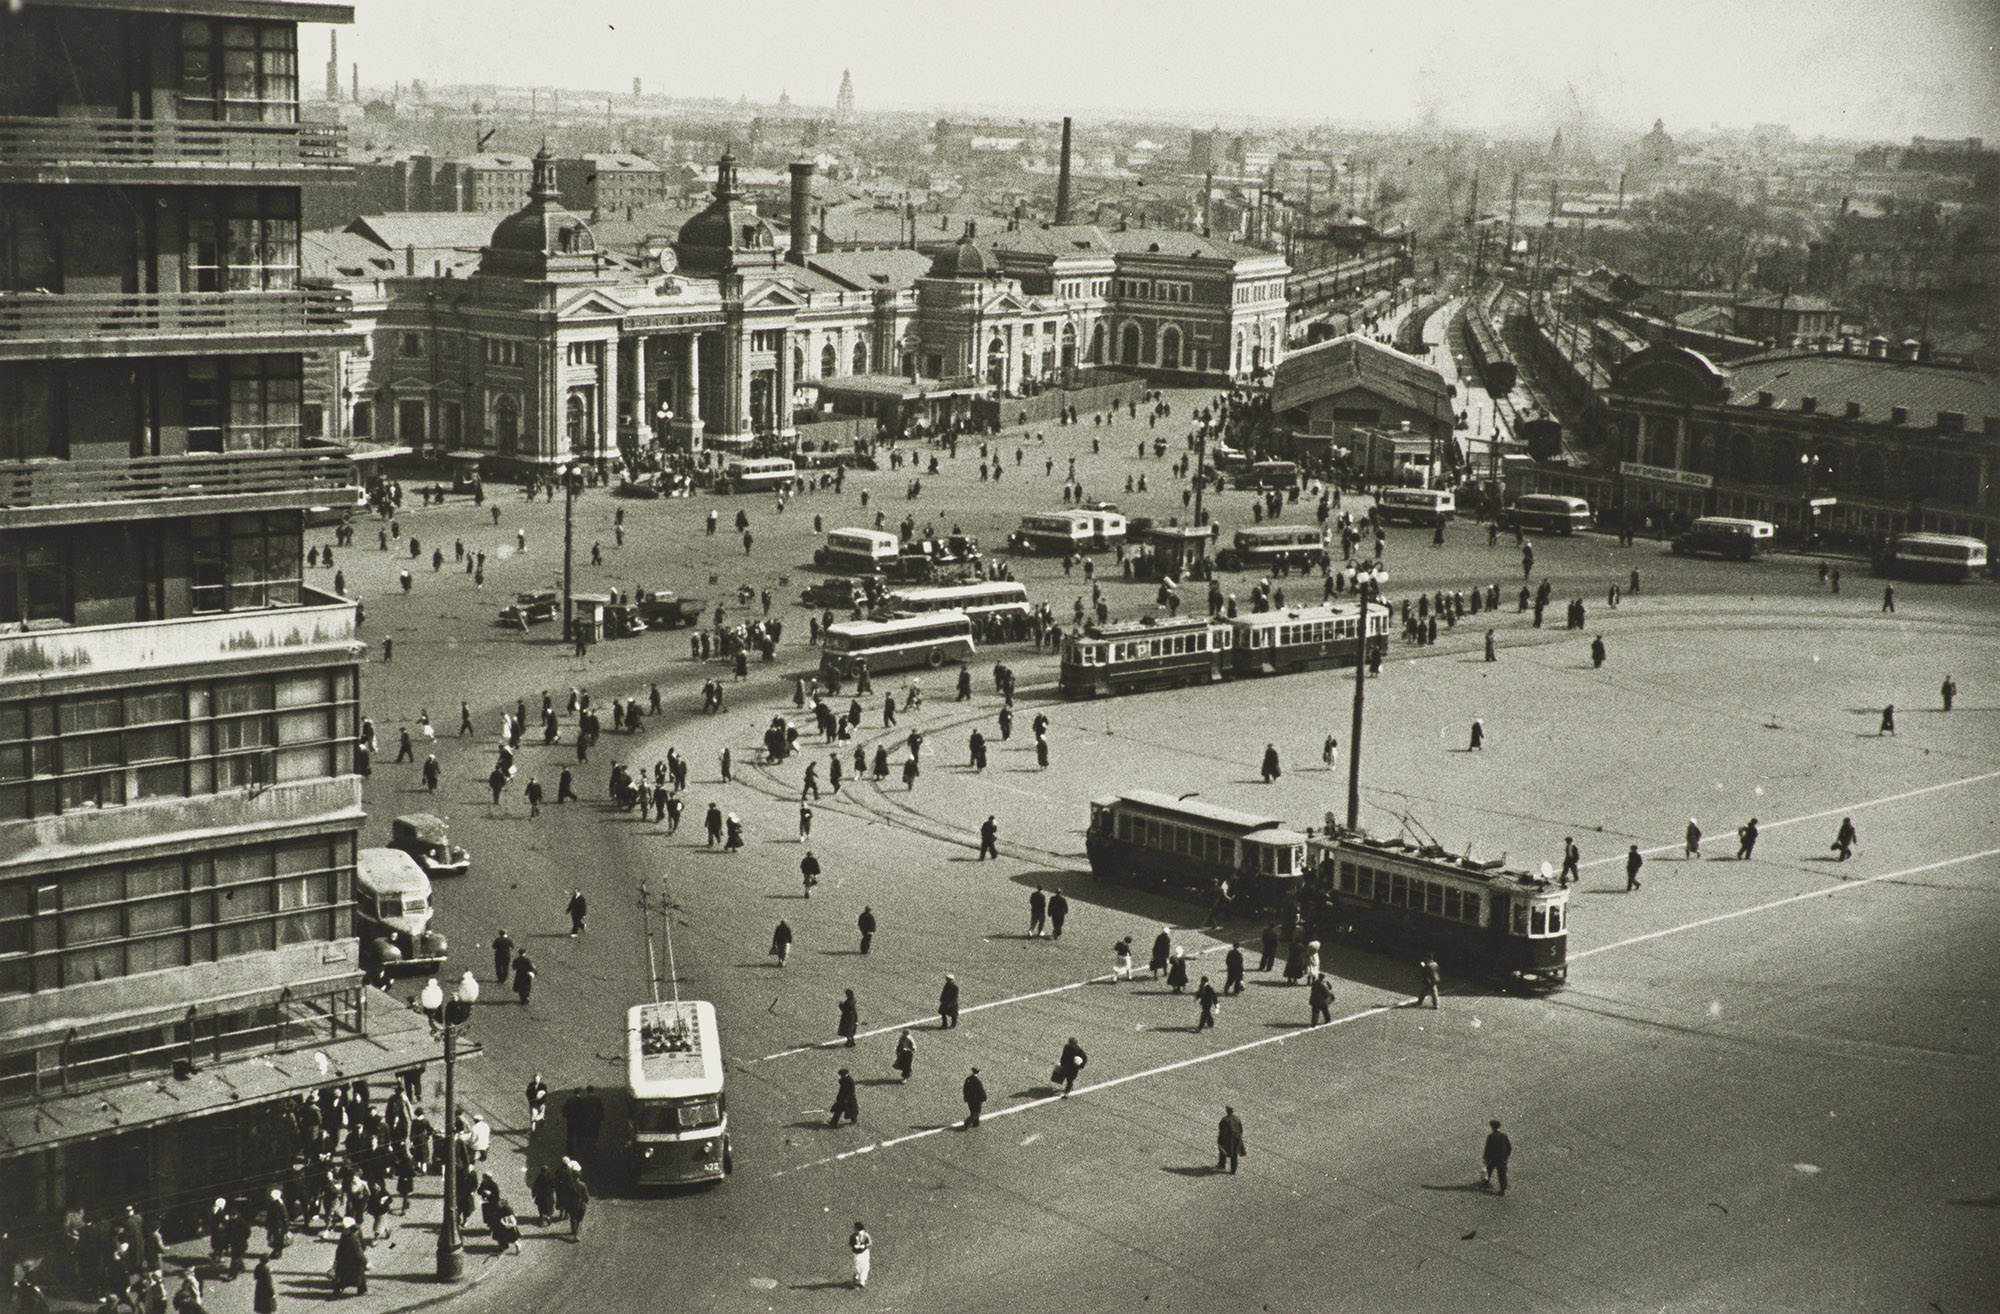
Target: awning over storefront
395,1038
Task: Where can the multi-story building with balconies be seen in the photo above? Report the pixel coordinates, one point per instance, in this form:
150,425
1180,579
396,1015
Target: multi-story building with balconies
180,796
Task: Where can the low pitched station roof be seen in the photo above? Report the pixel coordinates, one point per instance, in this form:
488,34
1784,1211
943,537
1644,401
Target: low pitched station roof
1340,365
866,271
1877,383
427,230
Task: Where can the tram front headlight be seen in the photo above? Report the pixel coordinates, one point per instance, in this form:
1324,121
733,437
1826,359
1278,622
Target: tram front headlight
645,1152
708,1147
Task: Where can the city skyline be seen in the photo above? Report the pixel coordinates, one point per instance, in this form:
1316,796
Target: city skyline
1846,70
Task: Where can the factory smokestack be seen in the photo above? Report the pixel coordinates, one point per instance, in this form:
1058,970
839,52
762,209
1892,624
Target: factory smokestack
1062,178
333,69
804,240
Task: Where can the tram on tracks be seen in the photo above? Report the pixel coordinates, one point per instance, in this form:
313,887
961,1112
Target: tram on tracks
1177,652
1479,918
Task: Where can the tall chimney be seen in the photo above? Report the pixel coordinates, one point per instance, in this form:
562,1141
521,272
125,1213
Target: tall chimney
333,69
804,240
1062,178
354,74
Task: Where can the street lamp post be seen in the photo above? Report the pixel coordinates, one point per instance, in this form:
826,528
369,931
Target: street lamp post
450,1015
569,478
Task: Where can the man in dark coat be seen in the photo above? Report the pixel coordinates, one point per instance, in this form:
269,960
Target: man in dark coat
1321,999
503,956
1429,967
1269,948
1205,996
350,1261
1597,651
1163,946
1228,1140
1271,771
1058,913
1498,1150
1633,862
1232,963
845,1101
578,909
1038,908
1072,1062
524,978
948,1002
865,923
1843,840
975,1098
850,1018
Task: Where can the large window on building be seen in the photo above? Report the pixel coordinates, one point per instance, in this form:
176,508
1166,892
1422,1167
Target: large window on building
31,411
34,578
244,562
243,239
243,403
239,72
100,923
86,752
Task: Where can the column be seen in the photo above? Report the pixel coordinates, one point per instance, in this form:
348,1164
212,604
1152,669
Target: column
607,390
783,417
642,404
1680,442
687,425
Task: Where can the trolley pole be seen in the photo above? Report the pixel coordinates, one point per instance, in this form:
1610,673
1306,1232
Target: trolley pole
1367,590
569,478
1200,469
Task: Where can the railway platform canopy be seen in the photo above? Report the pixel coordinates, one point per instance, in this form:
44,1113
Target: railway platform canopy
1330,388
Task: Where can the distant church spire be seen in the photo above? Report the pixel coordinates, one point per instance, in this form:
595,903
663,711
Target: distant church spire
843,104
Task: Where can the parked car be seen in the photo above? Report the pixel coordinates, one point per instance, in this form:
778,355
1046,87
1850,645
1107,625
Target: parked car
839,592
643,486
426,837
532,608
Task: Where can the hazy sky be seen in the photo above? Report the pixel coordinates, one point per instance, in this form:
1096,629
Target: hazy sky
1858,68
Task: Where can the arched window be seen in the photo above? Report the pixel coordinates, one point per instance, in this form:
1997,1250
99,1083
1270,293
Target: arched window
1069,346
1236,361
577,416
1128,350
798,365
860,358
1785,467
1743,456
506,423
996,361
1097,344
1170,348
829,361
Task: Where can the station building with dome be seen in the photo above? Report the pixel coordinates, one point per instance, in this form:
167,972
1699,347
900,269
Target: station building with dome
539,346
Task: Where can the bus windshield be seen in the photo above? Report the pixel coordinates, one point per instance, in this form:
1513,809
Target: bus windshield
666,1117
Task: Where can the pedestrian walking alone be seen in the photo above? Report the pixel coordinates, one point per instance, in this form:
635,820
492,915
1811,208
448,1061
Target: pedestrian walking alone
1429,990
1843,840
948,1002
1597,652
1888,726
1058,913
974,1094
906,1054
1633,862
1948,691
1228,1140
809,872
1478,736
1889,598
1498,1150
1205,996
865,923
524,978
1072,1062
503,956
860,1244
579,908
1693,847
1268,948
1038,913
989,840
781,942
1572,860
1270,769
1121,960
845,1102
1746,840
1232,964
1321,999
1163,947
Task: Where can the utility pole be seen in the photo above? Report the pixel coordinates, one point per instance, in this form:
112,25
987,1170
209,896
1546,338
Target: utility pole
569,477
1513,213
1365,585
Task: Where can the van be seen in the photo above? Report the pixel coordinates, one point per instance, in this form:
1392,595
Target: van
1415,506
1726,536
1060,533
427,839
1547,513
1107,528
392,914
857,550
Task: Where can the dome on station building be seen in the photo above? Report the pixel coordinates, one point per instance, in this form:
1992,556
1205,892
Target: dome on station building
541,240
965,258
728,232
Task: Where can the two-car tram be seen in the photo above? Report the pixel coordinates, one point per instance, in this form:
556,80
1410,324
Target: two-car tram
1479,918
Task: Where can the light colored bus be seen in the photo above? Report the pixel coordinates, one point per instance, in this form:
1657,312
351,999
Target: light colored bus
1003,601
679,1119
1547,513
1947,557
1269,475
1056,533
758,474
1727,536
860,551
895,644
1415,506
392,914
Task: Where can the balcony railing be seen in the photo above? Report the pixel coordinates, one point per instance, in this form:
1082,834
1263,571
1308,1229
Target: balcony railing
151,487
40,323
55,149
323,622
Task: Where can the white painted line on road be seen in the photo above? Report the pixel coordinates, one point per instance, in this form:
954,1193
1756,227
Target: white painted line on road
975,1008
1094,1087
1819,816
1779,903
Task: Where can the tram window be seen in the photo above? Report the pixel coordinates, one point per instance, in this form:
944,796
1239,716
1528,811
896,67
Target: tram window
1364,882
1228,852
1433,897
1396,889
1451,904
1208,847
1540,922
1180,839
1520,920
1124,827
1347,877
1152,833
1470,911
1287,860
1555,919
1384,882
